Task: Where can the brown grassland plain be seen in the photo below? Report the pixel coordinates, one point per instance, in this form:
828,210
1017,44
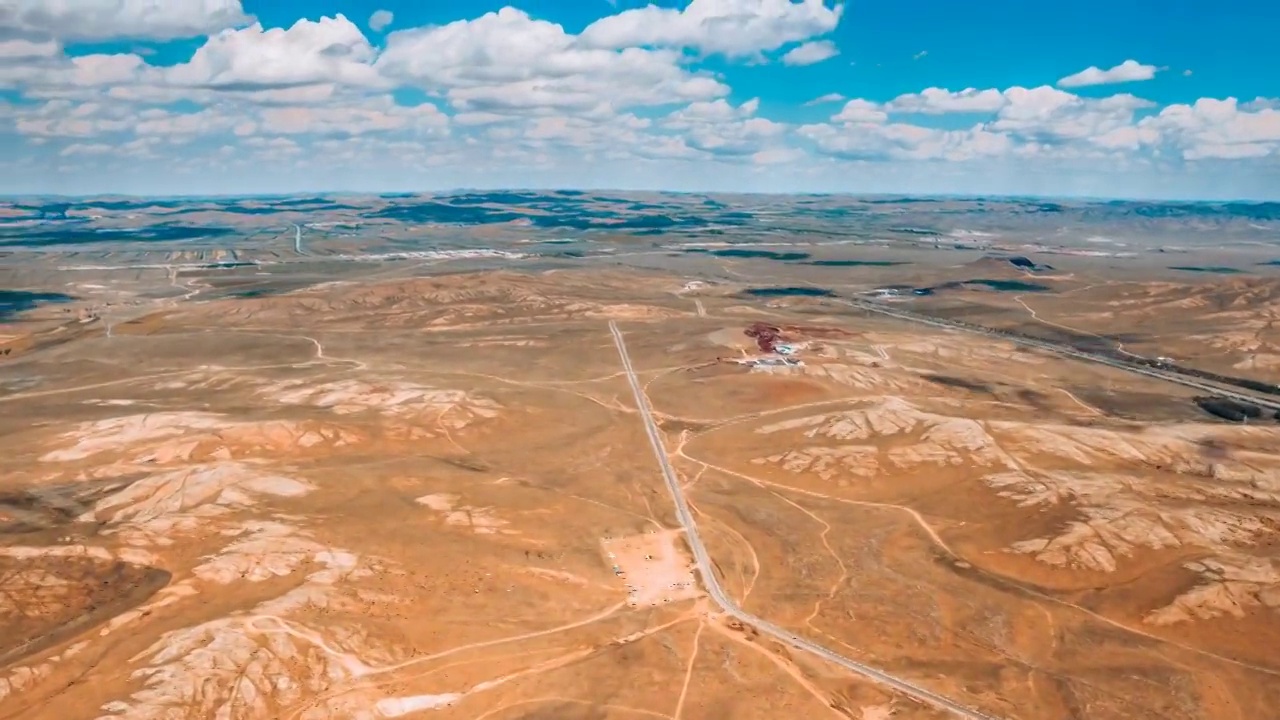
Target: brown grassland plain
406,498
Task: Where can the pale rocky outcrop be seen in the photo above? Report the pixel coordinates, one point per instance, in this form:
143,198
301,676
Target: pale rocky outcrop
174,492
481,520
453,409
942,439
240,666
1118,515
1231,586
1190,486
171,437
18,679
828,462
250,666
129,431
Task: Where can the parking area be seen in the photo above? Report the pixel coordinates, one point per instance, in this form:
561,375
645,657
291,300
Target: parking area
652,566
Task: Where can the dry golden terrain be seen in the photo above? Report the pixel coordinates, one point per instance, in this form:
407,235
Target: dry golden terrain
434,497
1228,325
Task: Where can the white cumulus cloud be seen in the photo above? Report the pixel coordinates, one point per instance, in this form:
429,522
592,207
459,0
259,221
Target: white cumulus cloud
777,156
723,129
711,112
736,28
860,111
58,76
507,61
1127,71
902,141
1048,115
19,50
382,115
936,101
106,19
331,50
832,97
810,53
1212,128
380,20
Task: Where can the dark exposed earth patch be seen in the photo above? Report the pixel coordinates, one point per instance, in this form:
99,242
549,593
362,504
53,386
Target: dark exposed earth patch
1234,410
13,302
46,600
856,263
961,383
789,292
1206,269
767,254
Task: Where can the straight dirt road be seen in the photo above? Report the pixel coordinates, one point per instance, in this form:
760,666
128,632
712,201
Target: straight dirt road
721,598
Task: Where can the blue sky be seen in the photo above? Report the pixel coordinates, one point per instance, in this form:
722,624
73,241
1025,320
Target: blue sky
1117,99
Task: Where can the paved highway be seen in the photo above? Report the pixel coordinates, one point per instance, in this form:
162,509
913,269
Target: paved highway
1242,395
717,593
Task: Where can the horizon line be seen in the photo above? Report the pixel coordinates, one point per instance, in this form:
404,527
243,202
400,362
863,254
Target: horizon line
543,190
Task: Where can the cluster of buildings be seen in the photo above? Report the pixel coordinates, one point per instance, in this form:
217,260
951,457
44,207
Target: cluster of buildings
769,339
771,362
